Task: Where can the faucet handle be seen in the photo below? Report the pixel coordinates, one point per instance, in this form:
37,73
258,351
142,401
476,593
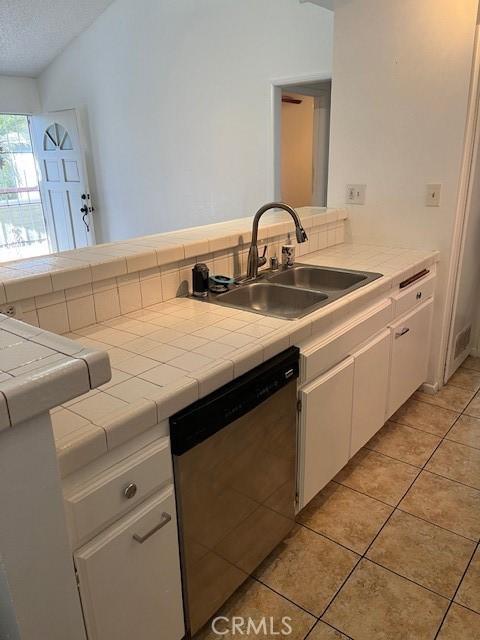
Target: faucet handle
301,234
263,259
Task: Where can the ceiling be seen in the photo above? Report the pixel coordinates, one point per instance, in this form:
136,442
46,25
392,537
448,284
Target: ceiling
327,4
33,32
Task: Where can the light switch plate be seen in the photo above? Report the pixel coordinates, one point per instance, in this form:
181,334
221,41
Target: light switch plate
432,196
355,193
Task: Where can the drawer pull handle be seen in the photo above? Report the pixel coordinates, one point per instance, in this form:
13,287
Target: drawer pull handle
402,332
130,490
166,517
419,295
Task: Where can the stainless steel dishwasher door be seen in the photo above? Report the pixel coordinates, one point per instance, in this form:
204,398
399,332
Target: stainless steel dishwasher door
236,501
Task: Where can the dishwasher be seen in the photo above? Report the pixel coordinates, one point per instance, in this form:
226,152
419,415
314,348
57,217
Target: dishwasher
234,460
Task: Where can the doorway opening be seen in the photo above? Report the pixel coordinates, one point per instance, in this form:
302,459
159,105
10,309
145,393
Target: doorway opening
23,232
302,133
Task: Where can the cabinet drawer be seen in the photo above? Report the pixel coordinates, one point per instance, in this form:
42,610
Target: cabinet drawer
129,576
414,295
93,505
321,354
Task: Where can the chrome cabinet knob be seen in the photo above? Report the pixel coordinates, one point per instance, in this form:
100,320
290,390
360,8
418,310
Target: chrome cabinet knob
130,490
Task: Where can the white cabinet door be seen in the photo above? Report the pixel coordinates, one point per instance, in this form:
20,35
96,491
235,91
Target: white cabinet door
410,338
370,388
325,425
129,580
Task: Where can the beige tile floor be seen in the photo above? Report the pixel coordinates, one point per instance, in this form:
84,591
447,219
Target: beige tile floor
389,549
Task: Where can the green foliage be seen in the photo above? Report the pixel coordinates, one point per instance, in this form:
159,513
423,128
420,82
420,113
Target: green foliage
10,125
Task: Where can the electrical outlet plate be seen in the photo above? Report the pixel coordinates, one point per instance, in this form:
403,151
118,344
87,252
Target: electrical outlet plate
8,310
355,193
433,195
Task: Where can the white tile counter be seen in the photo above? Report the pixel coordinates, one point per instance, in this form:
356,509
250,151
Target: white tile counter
166,356
40,370
49,274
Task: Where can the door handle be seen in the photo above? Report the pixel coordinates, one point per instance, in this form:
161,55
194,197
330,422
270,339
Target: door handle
402,332
84,210
166,517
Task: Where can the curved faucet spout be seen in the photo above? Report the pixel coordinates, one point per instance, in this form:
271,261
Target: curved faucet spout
253,260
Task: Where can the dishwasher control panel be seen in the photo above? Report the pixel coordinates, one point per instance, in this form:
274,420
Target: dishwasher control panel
205,417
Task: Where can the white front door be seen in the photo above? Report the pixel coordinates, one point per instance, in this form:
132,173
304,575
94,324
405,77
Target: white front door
63,179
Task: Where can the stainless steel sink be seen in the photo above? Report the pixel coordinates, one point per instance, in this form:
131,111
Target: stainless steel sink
273,300
295,292
323,278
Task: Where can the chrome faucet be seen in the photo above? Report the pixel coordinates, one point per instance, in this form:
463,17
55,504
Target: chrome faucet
254,261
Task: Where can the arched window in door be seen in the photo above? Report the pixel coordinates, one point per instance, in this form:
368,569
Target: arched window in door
57,138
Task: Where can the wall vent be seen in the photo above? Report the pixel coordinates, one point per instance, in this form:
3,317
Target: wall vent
462,341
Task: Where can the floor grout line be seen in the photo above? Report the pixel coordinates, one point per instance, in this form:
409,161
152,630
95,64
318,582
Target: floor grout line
324,535
362,493
416,466
400,575
328,625
347,577
385,455
399,508
440,406
363,556
462,443
457,386
435,473
394,508
419,428
436,525
456,591
430,404
299,606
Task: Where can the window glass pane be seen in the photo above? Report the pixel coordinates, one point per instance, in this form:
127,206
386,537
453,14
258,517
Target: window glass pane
66,143
22,224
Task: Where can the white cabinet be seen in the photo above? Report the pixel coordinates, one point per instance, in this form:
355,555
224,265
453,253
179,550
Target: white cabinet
104,498
410,347
370,387
129,576
325,425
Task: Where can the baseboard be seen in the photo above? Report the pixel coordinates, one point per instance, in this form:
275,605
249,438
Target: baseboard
475,352
429,388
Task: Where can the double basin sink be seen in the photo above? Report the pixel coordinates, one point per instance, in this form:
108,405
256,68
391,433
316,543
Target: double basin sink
294,292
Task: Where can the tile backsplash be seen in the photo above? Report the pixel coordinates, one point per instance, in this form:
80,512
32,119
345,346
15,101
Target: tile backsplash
131,280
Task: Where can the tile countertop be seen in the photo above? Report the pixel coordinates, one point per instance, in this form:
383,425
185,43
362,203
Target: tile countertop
166,356
36,276
40,370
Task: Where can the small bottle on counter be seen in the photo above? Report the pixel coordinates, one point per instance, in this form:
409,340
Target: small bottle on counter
288,255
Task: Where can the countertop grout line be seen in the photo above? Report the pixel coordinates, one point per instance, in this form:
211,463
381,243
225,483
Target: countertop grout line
405,263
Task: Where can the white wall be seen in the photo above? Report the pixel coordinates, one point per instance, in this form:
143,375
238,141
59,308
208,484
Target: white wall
399,100
18,95
177,100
